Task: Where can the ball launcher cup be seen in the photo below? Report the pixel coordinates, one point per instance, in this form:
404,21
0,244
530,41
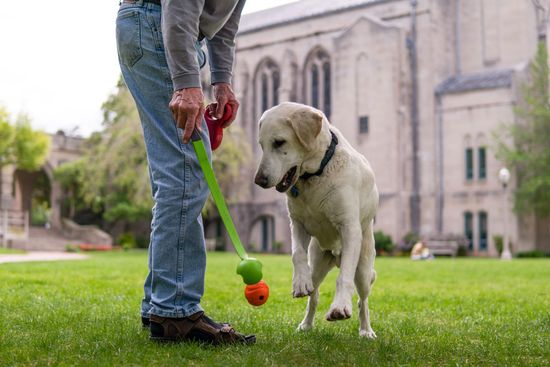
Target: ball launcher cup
256,290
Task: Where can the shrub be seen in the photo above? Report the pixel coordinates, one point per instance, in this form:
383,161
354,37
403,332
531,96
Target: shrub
277,246
127,241
532,254
142,242
72,248
499,243
462,251
383,242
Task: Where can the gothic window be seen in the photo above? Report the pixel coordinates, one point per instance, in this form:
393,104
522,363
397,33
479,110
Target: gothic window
482,222
469,229
482,163
265,92
469,164
275,87
326,88
318,81
267,85
314,86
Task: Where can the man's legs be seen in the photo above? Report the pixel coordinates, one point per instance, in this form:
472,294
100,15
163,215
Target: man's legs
177,256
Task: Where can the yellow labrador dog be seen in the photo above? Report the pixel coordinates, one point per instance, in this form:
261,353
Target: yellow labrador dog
332,199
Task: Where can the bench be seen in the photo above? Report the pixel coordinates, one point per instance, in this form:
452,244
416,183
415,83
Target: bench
443,247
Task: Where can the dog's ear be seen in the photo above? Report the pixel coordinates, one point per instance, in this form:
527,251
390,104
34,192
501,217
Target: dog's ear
307,124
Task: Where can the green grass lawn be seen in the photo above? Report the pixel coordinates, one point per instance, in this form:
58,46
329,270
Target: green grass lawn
445,312
10,251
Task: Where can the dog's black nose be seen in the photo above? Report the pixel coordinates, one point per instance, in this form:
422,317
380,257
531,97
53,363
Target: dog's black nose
260,180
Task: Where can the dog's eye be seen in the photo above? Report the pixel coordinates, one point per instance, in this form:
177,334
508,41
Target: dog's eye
278,143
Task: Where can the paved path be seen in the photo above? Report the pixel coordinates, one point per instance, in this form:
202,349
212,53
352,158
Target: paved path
40,256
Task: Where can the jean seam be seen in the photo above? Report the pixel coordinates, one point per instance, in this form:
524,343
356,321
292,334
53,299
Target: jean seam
182,233
159,51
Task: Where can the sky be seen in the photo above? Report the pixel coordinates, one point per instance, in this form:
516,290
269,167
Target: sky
58,60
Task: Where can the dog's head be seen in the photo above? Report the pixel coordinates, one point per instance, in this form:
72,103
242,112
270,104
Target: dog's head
289,136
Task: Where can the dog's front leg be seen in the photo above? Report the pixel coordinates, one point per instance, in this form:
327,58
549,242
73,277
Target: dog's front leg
350,234
301,278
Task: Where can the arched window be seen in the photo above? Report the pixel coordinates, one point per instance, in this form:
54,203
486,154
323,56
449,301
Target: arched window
318,81
267,84
469,229
482,231
468,159
481,157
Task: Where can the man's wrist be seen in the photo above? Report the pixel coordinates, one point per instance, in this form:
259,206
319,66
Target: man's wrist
187,81
220,77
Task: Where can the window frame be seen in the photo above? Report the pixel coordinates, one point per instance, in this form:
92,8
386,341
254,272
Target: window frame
364,121
482,163
468,219
469,164
318,80
483,230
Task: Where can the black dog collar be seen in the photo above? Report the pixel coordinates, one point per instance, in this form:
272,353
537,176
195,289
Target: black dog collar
328,155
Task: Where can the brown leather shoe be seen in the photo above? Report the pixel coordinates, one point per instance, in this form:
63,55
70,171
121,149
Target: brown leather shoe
197,327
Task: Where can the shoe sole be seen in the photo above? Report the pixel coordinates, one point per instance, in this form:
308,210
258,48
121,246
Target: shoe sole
248,340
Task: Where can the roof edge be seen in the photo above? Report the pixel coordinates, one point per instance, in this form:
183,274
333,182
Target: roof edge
309,17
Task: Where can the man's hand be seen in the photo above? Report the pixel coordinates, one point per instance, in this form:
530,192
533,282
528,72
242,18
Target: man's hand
224,95
187,106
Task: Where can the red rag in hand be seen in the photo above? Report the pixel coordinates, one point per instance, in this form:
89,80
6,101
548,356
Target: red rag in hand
215,129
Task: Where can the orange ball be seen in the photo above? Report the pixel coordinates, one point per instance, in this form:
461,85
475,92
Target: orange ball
257,294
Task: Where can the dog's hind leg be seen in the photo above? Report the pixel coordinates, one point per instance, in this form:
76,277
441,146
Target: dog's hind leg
364,278
320,263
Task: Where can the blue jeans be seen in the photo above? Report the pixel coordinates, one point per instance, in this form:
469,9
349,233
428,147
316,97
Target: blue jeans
177,255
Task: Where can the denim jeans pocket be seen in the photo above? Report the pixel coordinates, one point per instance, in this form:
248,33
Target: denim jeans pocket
128,36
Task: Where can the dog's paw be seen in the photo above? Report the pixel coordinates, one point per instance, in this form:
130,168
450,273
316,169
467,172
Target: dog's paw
369,334
301,287
304,327
339,312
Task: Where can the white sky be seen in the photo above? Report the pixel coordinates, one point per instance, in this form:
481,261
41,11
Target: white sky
58,60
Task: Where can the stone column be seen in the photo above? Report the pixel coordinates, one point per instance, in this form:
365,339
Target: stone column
55,200
6,198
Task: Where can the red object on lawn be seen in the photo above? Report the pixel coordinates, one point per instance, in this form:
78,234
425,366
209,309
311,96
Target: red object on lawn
257,294
94,247
215,129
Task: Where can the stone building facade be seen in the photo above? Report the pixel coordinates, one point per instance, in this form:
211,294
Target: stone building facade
417,87
18,185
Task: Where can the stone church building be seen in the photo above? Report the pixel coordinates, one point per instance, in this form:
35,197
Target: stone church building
418,87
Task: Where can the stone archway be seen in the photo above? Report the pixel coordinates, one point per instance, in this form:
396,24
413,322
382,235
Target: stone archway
247,215
37,193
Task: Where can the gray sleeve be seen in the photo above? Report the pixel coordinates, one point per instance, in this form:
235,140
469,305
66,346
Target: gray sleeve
221,48
180,29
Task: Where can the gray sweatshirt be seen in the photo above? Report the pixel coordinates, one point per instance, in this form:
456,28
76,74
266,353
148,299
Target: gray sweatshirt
184,22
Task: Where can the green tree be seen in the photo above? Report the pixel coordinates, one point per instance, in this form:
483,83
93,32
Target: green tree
7,136
30,146
114,175
20,145
525,146
70,177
